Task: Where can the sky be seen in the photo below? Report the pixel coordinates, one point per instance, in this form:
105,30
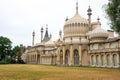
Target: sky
19,18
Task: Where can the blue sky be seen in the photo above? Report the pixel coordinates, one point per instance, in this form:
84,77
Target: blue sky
19,18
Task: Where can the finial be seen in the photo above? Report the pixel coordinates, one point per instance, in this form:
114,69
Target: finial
98,19
76,6
46,27
66,18
42,29
33,33
89,11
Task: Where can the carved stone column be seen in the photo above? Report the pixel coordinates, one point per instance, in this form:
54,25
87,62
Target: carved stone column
80,55
71,55
63,54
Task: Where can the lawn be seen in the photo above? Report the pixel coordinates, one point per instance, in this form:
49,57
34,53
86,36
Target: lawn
44,72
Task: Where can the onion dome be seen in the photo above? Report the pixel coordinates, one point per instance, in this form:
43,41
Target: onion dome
98,32
75,26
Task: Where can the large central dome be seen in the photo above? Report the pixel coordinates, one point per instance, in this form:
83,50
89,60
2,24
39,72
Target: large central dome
76,26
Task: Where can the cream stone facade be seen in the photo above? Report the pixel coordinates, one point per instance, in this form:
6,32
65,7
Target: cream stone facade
84,43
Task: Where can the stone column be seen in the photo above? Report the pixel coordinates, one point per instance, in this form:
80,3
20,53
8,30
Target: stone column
63,54
105,60
58,56
100,64
80,55
71,55
90,60
94,59
118,60
111,60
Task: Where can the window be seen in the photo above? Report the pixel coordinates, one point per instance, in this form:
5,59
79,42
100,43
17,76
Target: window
73,24
92,46
78,24
111,45
92,60
99,46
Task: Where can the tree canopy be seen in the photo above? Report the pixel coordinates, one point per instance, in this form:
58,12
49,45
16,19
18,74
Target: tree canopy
113,12
5,47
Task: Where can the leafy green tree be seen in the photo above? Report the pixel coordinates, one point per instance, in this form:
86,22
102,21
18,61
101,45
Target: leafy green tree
17,53
113,12
5,47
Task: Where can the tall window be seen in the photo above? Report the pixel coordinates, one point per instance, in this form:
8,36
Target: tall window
66,56
76,57
99,46
111,45
108,60
115,59
92,60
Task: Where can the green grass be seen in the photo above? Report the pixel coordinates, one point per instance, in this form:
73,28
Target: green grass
44,72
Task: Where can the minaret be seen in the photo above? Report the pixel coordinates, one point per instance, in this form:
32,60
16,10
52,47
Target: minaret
41,34
76,6
89,17
33,36
98,19
60,34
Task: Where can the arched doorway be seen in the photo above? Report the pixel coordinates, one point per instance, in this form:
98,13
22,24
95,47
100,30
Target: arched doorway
108,60
115,60
61,57
92,59
76,57
66,57
38,58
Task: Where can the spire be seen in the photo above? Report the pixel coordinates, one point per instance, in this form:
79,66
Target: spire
76,6
98,19
46,33
60,33
42,33
33,36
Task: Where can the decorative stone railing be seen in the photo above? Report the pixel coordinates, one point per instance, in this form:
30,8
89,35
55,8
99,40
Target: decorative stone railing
104,50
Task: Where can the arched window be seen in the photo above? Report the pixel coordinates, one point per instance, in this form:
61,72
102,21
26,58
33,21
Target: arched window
108,60
92,59
76,57
81,24
99,46
115,60
78,24
111,45
72,24
75,24
66,56
84,25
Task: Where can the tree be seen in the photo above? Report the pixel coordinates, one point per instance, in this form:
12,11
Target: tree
5,47
113,12
17,53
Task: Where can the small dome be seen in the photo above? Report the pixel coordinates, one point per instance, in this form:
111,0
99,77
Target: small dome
76,19
76,26
98,33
